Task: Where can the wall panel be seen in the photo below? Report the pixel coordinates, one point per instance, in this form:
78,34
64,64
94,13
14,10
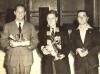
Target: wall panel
68,10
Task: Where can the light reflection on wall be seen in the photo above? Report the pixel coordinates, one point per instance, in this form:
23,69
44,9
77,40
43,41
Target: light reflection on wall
35,4
34,8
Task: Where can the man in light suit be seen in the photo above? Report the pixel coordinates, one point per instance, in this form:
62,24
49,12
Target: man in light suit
19,38
85,44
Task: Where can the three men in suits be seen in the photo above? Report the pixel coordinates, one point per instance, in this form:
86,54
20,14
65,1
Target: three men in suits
85,44
19,38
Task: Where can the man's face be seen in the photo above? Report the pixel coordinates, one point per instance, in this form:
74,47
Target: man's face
20,13
82,18
52,19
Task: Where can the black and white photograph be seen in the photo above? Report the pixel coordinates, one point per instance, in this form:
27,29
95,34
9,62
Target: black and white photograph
49,37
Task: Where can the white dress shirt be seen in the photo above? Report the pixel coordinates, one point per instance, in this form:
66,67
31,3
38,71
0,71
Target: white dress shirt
83,29
22,23
53,28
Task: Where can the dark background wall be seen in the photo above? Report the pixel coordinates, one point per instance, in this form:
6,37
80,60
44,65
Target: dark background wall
34,9
66,8
6,8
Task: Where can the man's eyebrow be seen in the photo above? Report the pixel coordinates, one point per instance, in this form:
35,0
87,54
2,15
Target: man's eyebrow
84,15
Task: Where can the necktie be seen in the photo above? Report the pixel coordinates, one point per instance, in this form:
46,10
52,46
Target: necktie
19,27
19,30
52,33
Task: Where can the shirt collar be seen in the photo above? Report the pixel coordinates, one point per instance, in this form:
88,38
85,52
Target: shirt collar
17,22
85,26
54,26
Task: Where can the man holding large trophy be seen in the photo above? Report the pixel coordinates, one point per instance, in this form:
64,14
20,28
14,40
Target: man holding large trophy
19,38
55,55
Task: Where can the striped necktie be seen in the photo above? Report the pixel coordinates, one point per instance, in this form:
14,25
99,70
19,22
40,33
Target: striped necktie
52,33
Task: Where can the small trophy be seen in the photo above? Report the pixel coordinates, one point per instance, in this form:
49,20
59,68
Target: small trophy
20,35
16,37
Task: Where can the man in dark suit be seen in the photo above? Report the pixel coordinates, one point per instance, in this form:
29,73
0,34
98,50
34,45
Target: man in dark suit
55,48
85,44
19,38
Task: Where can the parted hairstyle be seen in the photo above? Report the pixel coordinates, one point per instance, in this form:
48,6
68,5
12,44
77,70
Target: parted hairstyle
19,5
53,12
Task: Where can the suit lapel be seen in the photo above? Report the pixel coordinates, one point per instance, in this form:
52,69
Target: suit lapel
88,37
15,27
15,24
78,38
25,27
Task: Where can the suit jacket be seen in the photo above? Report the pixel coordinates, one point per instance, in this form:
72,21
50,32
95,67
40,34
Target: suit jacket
23,54
92,43
47,66
65,43
46,36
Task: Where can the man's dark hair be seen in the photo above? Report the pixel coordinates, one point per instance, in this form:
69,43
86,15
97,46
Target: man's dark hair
19,5
83,11
53,12
90,20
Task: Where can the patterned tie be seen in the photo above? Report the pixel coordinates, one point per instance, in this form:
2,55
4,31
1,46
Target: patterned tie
52,33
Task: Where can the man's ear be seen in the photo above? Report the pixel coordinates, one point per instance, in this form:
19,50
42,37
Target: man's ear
14,12
25,12
56,18
87,18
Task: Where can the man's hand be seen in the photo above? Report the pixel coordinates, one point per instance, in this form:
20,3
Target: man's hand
44,50
59,57
25,43
52,51
82,52
85,53
14,43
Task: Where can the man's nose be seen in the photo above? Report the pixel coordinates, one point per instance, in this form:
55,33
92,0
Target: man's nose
20,14
81,17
